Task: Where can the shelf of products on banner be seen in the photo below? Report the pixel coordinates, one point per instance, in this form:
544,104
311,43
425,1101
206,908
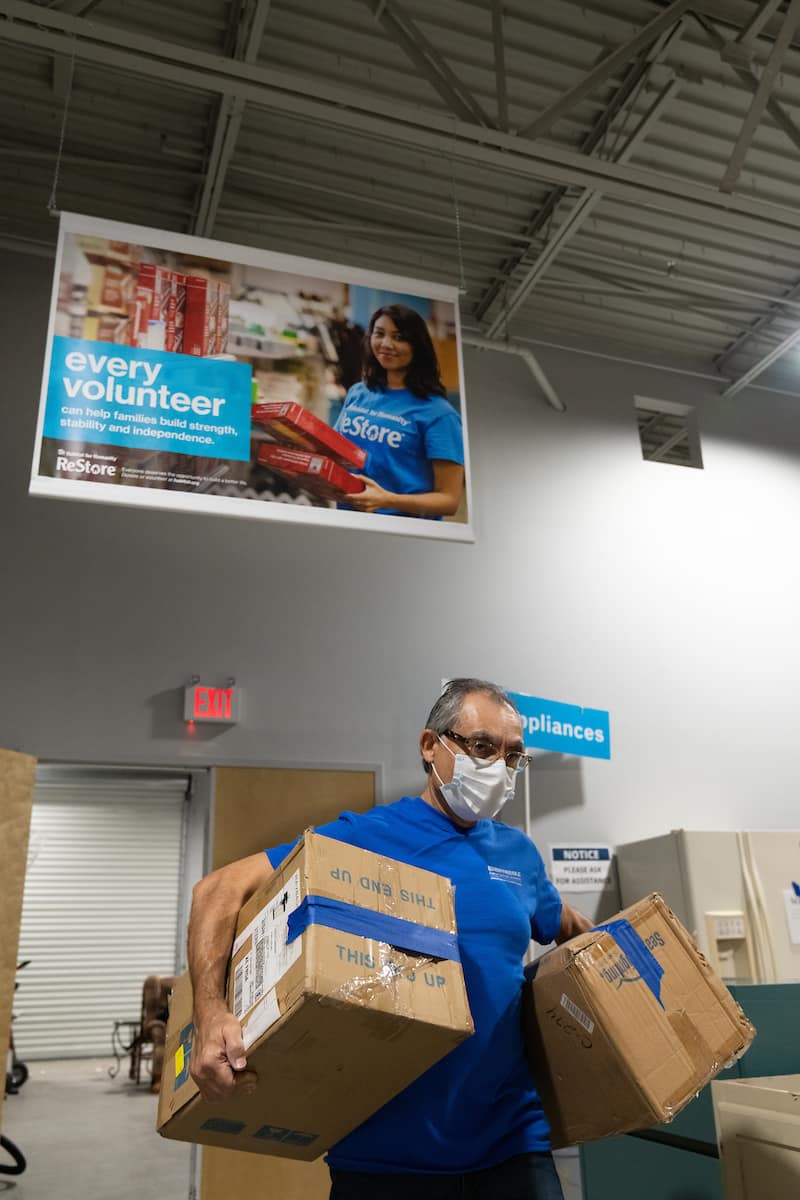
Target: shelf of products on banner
251,344
294,367
302,349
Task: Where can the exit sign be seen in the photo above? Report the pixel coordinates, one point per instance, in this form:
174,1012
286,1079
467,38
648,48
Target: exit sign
219,704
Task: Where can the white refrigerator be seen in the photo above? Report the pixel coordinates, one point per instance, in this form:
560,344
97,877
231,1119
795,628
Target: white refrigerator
737,893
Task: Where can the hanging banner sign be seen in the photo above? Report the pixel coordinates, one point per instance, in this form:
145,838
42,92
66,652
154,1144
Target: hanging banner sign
581,867
189,374
563,728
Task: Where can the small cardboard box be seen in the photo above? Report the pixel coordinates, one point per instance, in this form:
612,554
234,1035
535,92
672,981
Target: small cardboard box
314,472
340,978
295,426
625,1024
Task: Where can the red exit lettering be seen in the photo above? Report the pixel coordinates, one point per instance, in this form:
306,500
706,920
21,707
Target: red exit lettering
212,703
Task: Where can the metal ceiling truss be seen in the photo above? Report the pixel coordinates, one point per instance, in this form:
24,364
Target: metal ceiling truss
609,67
759,326
243,166
131,165
579,214
470,139
761,96
761,88
78,8
686,282
498,41
357,110
247,32
740,50
749,78
61,73
758,368
739,62
427,60
670,297
594,140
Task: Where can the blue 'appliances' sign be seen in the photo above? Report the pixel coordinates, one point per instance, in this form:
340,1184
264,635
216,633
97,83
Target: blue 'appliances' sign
564,728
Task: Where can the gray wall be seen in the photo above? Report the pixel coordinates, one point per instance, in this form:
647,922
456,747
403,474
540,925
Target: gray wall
668,596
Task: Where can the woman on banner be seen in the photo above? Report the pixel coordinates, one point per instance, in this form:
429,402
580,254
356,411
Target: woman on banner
400,416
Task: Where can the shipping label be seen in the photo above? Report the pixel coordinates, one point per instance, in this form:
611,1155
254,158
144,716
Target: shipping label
579,1015
262,1018
269,957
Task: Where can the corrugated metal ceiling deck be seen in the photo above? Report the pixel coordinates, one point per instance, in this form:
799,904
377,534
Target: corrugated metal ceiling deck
377,131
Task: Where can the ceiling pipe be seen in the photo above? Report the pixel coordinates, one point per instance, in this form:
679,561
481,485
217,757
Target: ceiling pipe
528,357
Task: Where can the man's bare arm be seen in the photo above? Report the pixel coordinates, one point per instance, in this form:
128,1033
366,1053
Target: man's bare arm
218,1056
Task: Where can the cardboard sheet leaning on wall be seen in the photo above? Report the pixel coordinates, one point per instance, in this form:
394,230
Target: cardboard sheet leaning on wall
17,782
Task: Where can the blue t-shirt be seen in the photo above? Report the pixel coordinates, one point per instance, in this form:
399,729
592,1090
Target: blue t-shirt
478,1105
402,434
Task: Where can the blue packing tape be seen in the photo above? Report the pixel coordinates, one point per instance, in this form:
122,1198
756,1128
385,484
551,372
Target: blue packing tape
351,918
638,955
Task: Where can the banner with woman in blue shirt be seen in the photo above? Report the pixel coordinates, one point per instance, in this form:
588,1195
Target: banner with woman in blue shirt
198,376
400,415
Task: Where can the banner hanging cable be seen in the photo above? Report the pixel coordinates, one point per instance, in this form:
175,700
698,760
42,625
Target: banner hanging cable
52,205
462,286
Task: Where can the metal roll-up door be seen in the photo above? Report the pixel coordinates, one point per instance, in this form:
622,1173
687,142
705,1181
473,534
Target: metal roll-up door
101,905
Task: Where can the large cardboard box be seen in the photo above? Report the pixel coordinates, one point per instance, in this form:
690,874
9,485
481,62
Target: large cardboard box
342,978
625,1024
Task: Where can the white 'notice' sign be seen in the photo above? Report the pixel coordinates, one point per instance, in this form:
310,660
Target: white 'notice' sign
581,867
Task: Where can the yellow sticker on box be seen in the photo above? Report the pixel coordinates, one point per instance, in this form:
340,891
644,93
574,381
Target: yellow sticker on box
179,1060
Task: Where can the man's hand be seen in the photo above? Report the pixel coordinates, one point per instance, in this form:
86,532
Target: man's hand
218,1063
572,923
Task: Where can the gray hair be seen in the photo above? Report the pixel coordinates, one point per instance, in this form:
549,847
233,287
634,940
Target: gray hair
447,708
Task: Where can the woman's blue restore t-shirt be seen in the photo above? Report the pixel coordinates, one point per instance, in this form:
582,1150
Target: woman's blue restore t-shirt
478,1105
402,435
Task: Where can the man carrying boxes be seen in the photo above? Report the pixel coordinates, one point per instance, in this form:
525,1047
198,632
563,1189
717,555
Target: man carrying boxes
471,1123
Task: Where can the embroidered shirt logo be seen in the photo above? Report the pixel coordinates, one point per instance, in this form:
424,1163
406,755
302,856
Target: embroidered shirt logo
505,875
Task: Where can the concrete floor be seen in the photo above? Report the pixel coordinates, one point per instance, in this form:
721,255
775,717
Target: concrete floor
88,1137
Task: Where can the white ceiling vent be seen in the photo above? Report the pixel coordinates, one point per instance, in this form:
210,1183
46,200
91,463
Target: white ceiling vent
668,432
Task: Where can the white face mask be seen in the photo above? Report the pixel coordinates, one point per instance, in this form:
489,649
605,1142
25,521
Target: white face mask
477,790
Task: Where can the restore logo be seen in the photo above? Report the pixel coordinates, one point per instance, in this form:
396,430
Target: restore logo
83,466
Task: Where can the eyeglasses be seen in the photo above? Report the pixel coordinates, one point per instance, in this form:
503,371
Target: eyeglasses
485,750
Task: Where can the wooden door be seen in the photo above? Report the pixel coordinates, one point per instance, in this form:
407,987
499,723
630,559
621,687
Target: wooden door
255,808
